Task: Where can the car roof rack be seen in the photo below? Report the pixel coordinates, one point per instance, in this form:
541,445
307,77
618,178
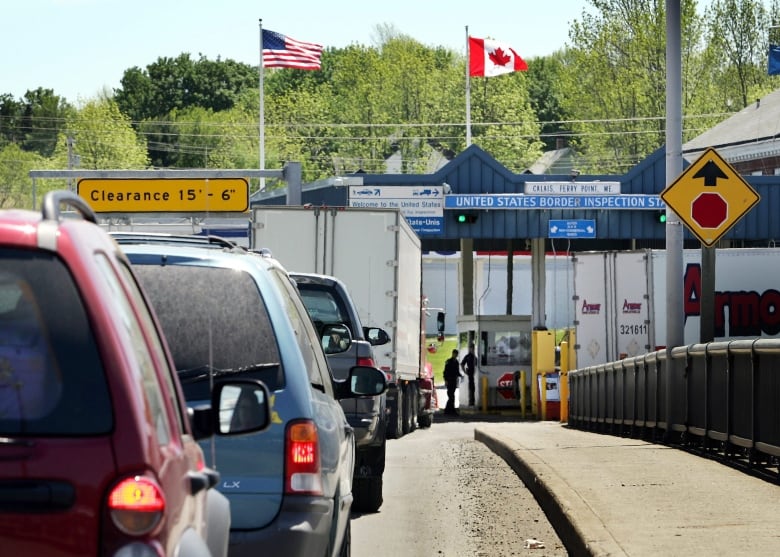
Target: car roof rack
52,201
196,240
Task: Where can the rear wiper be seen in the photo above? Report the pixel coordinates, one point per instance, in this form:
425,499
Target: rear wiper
203,372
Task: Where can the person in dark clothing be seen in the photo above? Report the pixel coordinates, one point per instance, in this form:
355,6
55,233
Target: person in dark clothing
469,365
451,379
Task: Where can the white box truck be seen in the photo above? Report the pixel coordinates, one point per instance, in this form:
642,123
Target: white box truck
377,254
620,300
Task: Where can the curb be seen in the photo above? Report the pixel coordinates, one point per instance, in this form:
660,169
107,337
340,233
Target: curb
568,513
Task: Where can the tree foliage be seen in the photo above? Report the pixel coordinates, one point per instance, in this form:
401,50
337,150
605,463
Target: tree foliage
738,37
104,139
399,105
34,122
15,183
176,83
152,97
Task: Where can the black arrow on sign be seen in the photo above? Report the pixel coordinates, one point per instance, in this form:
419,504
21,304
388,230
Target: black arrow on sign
710,172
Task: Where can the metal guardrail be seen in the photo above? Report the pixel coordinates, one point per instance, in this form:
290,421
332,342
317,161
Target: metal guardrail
719,398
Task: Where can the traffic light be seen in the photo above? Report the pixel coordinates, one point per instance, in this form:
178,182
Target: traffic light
464,218
660,217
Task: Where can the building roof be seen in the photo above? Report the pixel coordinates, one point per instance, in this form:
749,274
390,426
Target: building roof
557,161
752,133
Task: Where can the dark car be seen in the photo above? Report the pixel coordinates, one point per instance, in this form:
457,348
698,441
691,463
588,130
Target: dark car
227,312
328,301
98,451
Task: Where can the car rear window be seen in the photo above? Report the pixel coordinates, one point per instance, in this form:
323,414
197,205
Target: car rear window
52,380
322,305
214,320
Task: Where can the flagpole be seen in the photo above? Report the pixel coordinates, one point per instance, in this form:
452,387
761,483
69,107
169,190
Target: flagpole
468,92
262,109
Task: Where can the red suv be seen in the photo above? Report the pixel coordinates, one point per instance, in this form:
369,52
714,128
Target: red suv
98,451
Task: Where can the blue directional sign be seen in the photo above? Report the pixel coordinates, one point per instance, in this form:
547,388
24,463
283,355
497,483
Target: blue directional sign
572,229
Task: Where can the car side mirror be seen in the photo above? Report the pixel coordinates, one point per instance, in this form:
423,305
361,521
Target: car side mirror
335,338
366,381
241,407
376,336
237,407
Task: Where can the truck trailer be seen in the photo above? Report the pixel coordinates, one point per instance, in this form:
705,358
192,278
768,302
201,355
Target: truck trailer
377,254
620,300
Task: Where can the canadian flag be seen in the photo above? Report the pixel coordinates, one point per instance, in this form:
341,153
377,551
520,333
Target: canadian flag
489,58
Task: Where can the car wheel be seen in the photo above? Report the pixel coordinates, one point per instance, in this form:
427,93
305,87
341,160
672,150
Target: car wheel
395,428
414,406
346,545
425,420
410,415
368,494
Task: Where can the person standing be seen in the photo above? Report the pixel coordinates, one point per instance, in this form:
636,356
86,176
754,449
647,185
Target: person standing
469,365
451,379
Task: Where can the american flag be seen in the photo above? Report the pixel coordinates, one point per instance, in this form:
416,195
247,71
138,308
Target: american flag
280,51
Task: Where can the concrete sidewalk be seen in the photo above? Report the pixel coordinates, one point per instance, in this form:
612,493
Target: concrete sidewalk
610,495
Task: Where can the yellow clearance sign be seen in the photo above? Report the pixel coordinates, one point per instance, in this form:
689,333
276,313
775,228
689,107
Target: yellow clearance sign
161,195
710,197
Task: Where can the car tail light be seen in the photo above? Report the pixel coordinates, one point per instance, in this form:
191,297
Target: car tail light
303,473
366,362
136,505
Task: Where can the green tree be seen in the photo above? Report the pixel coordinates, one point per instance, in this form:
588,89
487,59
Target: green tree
176,83
34,122
15,182
104,139
738,36
614,81
151,97
544,95
503,122
11,111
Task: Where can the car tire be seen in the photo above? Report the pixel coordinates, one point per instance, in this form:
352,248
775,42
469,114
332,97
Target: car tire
367,494
410,409
346,545
425,420
395,427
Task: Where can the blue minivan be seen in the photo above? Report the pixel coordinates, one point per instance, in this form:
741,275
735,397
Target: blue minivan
228,312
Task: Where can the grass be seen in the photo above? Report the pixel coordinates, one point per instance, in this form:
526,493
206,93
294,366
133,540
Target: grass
437,358
444,351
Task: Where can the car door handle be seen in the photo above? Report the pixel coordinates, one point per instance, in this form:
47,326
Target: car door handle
198,482
213,476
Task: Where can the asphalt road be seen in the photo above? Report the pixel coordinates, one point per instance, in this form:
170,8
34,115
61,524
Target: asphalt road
447,494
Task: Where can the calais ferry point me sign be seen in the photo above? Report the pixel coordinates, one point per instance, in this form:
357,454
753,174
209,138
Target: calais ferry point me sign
171,195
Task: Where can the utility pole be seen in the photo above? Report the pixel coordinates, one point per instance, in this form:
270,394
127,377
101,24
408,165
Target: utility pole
74,161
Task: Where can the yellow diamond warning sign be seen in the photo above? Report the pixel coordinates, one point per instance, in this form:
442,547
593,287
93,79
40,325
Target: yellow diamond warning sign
710,197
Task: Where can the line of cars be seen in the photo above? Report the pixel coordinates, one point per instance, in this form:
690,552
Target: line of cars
328,301
219,365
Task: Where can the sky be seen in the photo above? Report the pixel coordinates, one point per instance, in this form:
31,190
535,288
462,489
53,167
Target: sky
80,47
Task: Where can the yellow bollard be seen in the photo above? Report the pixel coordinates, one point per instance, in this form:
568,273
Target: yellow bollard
535,394
542,395
564,388
521,395
483,392
542,361
566,360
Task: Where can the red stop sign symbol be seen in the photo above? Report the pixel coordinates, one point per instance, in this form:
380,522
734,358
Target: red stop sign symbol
709,210
506,385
